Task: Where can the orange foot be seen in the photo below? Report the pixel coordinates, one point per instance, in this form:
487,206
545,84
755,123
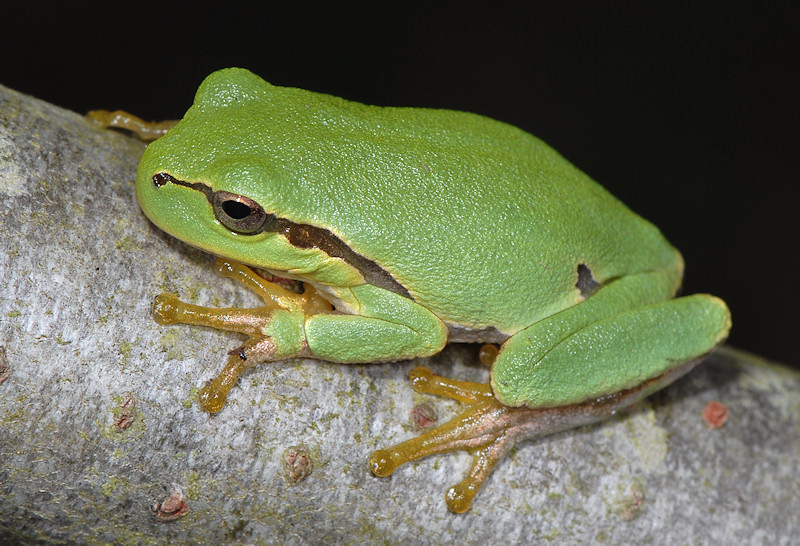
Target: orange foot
489,429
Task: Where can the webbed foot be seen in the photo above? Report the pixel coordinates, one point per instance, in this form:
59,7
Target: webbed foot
489,429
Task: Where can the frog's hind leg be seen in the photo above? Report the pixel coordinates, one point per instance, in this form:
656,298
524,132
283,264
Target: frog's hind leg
488,429
481,429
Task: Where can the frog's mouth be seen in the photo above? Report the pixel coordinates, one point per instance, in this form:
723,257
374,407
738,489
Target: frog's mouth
245,216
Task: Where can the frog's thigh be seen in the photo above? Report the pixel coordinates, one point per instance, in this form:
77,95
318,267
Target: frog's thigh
612,354
388,327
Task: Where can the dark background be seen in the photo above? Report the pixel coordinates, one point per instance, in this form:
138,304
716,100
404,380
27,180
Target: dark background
688,113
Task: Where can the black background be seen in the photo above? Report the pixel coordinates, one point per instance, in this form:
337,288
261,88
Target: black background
688,113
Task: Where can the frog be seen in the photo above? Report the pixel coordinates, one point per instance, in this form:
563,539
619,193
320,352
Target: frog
379,234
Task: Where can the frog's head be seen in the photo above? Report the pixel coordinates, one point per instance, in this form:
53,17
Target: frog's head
229,178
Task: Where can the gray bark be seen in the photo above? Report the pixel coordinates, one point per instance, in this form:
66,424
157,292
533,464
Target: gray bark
99,418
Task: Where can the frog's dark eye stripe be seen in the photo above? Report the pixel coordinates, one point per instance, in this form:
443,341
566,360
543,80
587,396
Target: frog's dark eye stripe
162,179
244,216
236,212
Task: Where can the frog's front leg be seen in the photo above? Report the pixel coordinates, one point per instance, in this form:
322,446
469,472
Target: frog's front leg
388,326
119,119
168,309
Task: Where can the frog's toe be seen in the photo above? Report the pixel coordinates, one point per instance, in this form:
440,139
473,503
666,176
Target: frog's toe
486,429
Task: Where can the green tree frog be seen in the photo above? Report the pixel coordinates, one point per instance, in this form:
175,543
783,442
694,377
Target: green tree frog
409,228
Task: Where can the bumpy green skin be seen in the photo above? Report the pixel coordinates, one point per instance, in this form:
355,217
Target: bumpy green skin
482,223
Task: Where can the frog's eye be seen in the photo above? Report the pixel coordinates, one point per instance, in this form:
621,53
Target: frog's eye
238,213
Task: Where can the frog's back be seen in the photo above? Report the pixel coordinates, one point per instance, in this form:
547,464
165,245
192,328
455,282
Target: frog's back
481,222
